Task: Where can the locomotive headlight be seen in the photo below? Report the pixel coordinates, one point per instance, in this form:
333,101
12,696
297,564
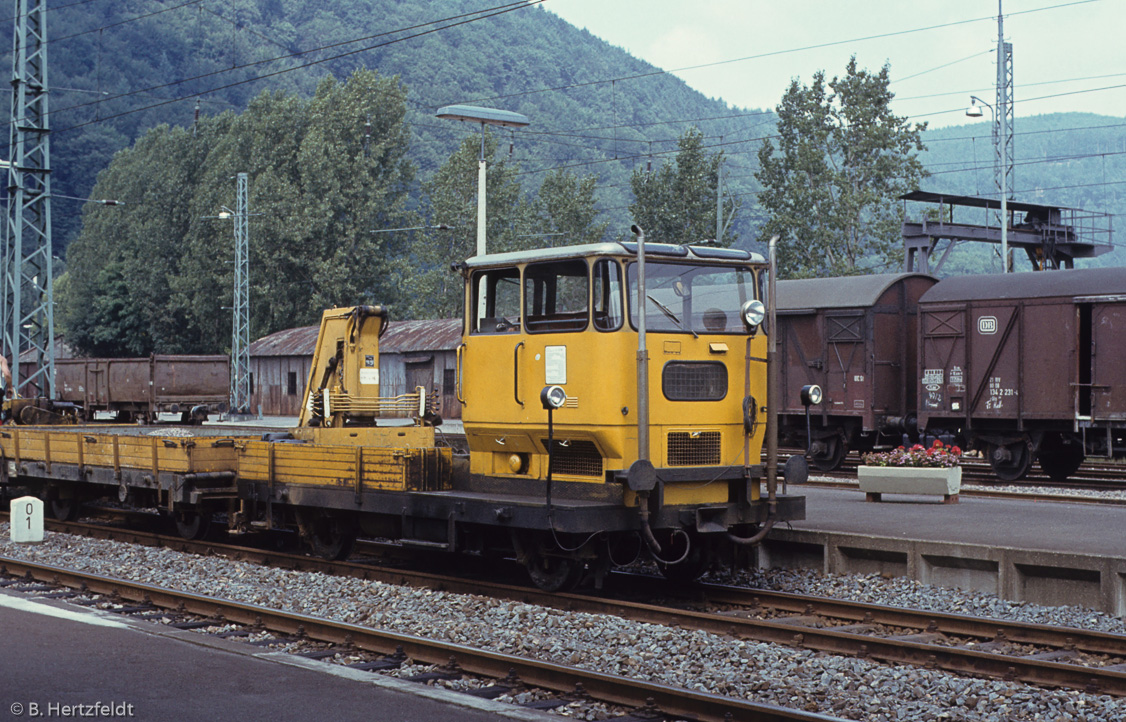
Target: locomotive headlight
553,397
810,395
753,313
517,463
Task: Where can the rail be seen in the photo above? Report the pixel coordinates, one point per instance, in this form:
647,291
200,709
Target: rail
548,675
956,643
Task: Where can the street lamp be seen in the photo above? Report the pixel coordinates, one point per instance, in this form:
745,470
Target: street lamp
484,116
974,111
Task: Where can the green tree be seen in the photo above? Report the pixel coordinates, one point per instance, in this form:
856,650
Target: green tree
830,185
566,205
324,174
451,201
677,204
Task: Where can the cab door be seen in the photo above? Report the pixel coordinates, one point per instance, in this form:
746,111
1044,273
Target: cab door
492,348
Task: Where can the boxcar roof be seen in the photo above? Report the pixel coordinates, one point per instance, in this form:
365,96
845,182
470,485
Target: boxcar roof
1040,284
838,292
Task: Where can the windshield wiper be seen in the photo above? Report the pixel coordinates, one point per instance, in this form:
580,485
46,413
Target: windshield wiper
665,310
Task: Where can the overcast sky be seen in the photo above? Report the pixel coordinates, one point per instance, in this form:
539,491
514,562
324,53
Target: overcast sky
1059,47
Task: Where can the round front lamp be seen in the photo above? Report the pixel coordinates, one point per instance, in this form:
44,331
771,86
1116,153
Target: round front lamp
753,313
553,397
811,395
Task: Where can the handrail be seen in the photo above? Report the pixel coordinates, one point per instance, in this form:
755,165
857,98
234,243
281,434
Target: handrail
516,373
457,374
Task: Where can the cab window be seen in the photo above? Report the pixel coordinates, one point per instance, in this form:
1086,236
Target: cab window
556,296
607,282
689,298
496,301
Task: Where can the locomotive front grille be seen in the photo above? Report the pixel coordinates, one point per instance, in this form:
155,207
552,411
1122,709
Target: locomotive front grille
694,381
577,457
693,448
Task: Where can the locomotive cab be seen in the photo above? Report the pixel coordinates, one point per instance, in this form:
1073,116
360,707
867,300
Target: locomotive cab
571,317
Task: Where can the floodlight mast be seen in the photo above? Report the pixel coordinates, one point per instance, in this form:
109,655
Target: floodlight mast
484,116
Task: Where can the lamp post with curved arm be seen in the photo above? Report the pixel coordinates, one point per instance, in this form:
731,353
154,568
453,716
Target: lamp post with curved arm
484,116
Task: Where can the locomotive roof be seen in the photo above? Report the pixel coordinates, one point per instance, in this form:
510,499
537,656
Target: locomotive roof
656,251
838,292
1040,284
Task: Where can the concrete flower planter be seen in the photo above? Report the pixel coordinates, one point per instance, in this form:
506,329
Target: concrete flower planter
941,481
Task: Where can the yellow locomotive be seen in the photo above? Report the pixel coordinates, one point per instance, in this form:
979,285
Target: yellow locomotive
576,461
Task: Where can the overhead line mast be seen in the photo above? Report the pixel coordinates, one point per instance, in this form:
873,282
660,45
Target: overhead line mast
28,296
240,332
1003,133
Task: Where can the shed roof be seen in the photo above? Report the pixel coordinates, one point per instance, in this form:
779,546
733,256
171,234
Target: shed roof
410,336
400,337
298,341
839,292
1039,284
63,350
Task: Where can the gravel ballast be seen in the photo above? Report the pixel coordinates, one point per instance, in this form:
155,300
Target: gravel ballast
844,687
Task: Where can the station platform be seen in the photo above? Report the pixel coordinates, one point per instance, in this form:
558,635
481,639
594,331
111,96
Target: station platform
1045,552
63,661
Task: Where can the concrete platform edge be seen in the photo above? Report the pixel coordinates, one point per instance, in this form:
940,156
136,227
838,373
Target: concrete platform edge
1022,575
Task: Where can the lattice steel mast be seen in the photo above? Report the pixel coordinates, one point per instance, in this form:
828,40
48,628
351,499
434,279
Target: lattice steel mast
1003,132
240,336
28,296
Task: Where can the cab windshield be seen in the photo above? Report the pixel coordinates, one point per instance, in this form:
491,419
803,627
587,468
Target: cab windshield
688,298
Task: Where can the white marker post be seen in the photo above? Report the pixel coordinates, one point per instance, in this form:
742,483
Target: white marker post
27,520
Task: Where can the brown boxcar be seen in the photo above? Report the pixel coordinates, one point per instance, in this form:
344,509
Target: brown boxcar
144,387
1027,366
855,337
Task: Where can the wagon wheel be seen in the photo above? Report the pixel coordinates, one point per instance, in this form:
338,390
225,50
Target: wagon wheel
694,564
555,573
191,524
328,537
64,509
1060,456
1010,462
833,455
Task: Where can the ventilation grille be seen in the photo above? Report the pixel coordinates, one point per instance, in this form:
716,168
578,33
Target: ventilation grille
578,457
693,448
699,381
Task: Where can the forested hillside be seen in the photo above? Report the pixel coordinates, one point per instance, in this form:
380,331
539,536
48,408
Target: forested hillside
114,69
165,94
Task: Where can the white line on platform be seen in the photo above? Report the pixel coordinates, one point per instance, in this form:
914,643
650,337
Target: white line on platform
86,617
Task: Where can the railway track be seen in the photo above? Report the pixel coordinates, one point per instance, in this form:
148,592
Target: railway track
654,701
1033,654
